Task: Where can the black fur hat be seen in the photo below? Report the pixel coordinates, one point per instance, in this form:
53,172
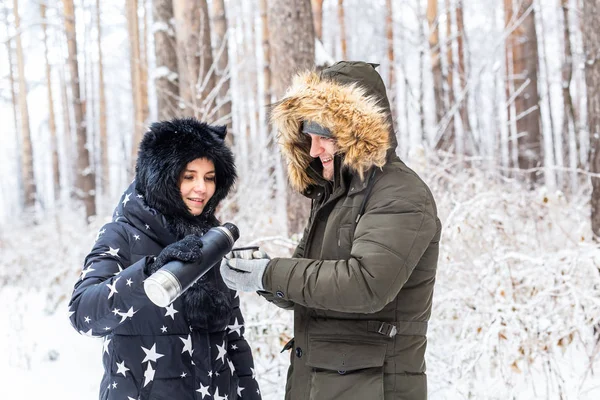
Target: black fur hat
165,151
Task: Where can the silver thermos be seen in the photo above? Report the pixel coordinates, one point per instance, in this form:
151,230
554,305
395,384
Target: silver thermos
175,277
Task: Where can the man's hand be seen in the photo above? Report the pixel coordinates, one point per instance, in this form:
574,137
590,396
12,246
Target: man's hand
244,275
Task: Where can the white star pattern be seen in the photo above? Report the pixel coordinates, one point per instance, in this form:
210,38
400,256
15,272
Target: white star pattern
231,367
136,237
116,311
126,315
113,287
121,368
107,328
100,234
139,196
70,313
210,374
112,252
87,319
129,282
217,396
203,390
151,355
235,328
114,385
147,226
86,271
187,345
183,374
253,373
120,269
88,333
163,329
171,311
130,398
148,374
234,347
105,345
239,391
222,353
126,199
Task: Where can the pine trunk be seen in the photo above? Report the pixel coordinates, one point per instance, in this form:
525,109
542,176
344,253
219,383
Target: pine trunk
136,76
591,43
292,40
165,49
194,58
222,70
523,48
317,9
51,116
436,68
29,188
86,182
342,24
389,33
105,181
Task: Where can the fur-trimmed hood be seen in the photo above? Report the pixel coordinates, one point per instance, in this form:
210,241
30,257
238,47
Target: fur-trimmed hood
348,98
164,152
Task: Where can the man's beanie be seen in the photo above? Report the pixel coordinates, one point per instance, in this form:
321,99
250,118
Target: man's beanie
309,127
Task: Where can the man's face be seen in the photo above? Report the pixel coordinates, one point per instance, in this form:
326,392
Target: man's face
324,149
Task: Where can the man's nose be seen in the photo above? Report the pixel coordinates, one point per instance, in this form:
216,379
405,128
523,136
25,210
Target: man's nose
315,146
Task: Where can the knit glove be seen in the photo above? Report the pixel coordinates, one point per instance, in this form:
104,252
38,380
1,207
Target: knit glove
187,250
244,275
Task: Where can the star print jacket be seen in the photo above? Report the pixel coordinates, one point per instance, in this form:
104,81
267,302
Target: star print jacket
151,352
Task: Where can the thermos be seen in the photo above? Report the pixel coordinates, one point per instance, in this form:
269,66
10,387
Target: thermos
175,277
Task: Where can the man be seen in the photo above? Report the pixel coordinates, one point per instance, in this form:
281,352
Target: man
361,280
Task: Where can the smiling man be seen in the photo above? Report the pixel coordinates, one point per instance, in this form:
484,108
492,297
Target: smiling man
361,280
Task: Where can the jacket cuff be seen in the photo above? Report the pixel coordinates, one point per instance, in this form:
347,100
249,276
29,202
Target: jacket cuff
277,276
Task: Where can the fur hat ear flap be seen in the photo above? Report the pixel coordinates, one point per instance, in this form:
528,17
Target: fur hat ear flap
219,130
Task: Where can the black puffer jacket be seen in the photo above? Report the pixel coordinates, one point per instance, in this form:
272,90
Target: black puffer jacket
180,351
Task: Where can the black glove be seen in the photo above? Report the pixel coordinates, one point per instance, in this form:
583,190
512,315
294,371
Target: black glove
187,250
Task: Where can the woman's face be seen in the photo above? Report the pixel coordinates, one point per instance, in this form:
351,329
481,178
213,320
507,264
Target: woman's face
197,184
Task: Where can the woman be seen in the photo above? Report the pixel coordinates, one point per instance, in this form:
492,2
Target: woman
193,348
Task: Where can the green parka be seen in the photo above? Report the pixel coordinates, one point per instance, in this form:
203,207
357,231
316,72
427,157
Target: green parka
360,283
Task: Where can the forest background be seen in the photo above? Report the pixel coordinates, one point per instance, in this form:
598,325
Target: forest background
495,104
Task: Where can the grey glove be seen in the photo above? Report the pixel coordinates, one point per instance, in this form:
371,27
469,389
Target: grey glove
244,275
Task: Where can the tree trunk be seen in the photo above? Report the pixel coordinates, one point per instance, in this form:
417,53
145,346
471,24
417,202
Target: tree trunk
194,57
591,43
292,39
13,94
389,33
29,188
105,181
342,24
523,47
469,140
165,49
86,182
222,70
51,116
570,124
436,68
136,77
317,9
449,141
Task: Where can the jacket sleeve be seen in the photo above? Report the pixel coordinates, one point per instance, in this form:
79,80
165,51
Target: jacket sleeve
389,240
241,356
109,290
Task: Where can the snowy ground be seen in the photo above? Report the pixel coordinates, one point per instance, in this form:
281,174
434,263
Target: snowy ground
517,297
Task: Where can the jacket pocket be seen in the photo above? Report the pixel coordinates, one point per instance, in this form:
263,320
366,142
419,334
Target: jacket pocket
345,369
344,241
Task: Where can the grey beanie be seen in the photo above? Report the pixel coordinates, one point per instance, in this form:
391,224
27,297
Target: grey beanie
316,129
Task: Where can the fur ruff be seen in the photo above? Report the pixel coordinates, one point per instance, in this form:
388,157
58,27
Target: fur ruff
358,123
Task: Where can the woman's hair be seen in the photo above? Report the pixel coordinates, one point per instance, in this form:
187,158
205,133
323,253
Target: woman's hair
165,151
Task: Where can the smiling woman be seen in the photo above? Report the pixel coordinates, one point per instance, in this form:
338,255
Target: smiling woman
197,184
